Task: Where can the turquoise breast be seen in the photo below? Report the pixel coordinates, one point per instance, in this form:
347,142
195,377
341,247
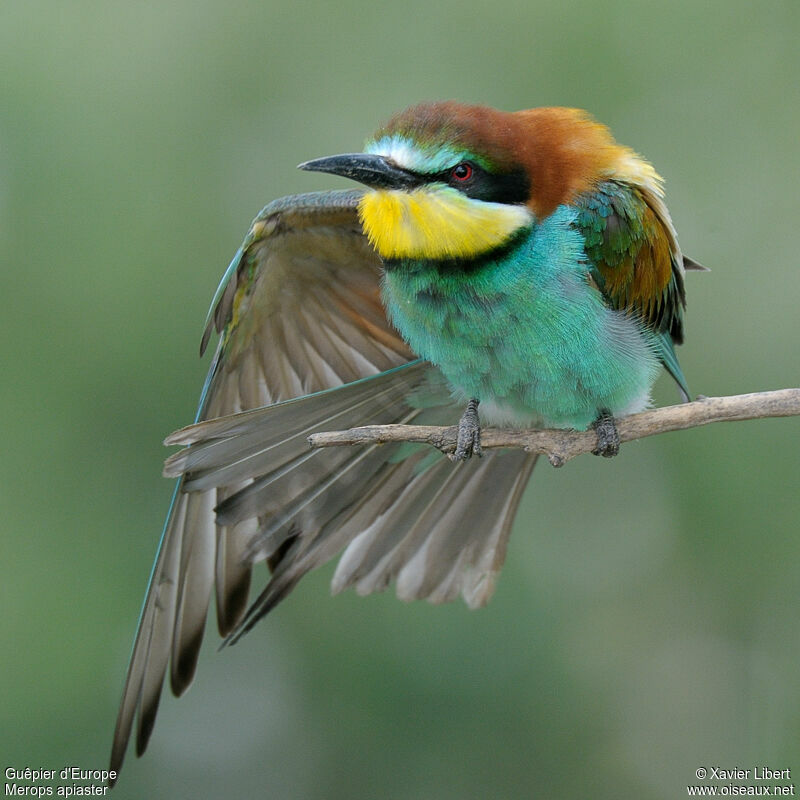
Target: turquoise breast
526,331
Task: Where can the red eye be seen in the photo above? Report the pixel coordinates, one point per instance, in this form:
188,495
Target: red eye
461,172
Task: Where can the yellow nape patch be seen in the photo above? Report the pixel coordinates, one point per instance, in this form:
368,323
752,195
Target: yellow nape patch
632,167
437,222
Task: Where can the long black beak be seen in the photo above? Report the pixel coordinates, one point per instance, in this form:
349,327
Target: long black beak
374,171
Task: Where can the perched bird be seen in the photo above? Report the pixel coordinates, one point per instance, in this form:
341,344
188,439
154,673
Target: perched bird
517,267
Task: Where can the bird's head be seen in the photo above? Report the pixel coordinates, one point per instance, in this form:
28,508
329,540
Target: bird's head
454,181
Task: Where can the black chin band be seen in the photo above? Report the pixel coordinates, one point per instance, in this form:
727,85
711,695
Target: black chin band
461,265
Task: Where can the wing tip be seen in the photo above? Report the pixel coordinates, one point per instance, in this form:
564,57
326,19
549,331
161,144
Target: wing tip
690,265
118,749
206,337
232,604
185,656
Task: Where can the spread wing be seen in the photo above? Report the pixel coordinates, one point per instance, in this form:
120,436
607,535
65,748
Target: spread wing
299,311
636,262
400,512
300,316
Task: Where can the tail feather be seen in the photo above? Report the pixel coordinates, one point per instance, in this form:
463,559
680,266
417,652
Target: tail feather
378,527
459,528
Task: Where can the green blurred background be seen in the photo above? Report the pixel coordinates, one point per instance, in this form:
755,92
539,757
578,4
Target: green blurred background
646,623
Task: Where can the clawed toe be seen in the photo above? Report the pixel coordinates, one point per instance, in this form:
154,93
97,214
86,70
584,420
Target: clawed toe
607,435
469,434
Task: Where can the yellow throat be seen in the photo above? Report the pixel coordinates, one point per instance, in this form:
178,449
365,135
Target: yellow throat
436,222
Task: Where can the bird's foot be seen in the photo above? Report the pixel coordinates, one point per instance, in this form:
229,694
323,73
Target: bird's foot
469,434
607,435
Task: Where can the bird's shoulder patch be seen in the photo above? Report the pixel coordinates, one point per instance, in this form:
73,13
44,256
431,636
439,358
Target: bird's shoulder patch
633,253
307,214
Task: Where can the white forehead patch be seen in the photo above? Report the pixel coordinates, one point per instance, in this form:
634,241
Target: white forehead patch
408,154
401,151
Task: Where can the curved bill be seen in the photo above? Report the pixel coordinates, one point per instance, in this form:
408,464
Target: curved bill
371,170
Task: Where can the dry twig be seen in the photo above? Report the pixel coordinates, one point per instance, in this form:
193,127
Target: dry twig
561,445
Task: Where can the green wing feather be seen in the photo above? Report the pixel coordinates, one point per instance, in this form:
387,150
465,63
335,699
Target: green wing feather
634,260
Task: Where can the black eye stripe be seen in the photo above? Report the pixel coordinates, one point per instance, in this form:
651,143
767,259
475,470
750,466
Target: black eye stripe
505,187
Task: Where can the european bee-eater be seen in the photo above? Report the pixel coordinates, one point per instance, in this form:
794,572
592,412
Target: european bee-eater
520,265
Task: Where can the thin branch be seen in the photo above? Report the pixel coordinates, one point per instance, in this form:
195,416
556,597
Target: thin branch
561,445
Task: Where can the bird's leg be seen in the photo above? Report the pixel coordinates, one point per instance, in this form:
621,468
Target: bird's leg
469,433
607,435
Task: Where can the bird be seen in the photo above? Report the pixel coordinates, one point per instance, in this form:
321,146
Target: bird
506,268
